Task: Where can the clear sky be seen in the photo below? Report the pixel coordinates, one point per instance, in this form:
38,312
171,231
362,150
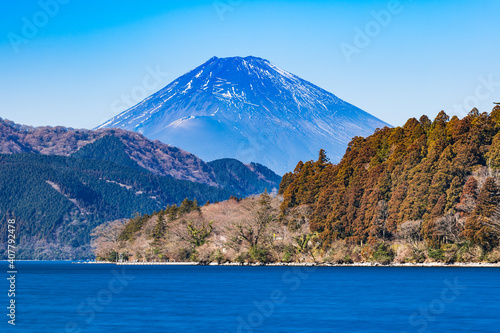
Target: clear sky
79,63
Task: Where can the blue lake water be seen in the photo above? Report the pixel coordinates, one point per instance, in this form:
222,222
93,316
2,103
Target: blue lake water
64,297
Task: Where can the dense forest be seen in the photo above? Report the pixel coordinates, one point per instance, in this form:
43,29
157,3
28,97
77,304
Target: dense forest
58,200
435,181
426,191
441,173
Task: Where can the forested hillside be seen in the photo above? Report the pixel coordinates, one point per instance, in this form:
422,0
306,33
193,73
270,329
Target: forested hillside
244,179
440,176
57,200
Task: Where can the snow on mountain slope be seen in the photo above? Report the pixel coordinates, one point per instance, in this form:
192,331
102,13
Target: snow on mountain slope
251,110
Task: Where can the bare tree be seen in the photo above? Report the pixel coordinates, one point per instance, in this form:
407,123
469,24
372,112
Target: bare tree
410,231
106,237
493,222
449,227
297,217
193,229
379,223
252,231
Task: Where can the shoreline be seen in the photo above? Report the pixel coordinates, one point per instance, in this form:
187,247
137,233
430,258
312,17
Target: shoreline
304,264
279,264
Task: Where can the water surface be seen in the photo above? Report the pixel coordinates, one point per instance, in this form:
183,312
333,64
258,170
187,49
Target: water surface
65,297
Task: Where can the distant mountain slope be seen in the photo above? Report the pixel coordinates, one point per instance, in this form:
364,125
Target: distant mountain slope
251,110
58,200
154,156
238,177
129,149
108,148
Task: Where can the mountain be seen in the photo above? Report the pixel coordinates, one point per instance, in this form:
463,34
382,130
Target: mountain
134,150
250,110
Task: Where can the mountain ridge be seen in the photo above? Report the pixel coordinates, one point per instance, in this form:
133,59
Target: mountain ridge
154,156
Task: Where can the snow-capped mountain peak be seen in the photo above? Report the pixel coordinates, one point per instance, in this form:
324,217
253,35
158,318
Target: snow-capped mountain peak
248,109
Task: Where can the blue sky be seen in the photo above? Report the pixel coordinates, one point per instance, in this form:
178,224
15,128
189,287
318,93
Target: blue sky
395,59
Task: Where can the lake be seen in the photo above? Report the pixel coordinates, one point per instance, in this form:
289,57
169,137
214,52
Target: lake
65,297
